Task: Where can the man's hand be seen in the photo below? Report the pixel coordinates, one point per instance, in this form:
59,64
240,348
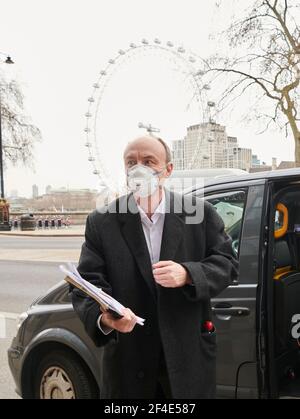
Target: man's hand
124,325
170,275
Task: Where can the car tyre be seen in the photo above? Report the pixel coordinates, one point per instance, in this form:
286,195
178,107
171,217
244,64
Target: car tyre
62,375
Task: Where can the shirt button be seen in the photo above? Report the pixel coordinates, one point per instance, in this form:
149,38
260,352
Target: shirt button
141,375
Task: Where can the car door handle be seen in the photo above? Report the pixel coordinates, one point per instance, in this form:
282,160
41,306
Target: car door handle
231,311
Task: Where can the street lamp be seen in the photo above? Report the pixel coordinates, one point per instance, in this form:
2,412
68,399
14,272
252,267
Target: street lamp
4,206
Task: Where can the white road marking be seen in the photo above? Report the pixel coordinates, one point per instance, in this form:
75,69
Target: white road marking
10,316
4,317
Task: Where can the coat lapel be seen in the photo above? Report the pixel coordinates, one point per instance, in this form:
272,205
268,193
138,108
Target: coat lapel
132,230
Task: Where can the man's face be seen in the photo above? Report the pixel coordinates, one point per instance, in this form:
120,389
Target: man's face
150,153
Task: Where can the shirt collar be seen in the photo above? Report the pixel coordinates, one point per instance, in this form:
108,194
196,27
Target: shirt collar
158,213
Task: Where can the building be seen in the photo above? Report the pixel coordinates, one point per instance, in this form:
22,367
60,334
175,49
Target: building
35,191
178,154
255,160
259,166
244,159
231,155
262,168
14,194
207,146
65,199
286,165
204,146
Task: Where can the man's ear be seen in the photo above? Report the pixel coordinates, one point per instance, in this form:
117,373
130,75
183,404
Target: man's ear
170,168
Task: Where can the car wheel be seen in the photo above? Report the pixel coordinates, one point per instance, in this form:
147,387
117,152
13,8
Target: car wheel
61,375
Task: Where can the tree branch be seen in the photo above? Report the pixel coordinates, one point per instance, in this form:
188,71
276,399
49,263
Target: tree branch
283,24
285,11
258,80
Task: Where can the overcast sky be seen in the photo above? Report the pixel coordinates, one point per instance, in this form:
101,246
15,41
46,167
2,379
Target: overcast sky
60,47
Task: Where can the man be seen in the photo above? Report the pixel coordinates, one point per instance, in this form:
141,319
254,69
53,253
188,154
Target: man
166,271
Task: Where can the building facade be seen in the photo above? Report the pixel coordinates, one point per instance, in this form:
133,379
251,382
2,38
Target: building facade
178,154
207,146
35,191
244,159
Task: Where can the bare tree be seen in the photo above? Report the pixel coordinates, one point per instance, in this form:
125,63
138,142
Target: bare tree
19,134
269,73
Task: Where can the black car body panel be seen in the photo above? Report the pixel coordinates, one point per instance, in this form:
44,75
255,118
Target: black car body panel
51,320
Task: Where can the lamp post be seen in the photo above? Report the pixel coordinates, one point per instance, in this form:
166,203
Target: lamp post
4,206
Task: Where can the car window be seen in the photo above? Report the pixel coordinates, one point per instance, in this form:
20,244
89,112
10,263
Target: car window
231,206
279,218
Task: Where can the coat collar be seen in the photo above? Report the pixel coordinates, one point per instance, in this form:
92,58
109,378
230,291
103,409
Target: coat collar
132,230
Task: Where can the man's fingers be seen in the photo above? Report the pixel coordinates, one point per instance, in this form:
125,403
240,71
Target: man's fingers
162,271
124,325
162,264
129,317
108,320
162,278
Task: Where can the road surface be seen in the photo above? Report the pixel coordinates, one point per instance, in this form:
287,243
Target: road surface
25,274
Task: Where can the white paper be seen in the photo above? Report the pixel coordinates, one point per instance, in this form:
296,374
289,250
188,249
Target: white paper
96,293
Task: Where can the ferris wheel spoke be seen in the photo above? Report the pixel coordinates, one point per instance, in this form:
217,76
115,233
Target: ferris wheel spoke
186,63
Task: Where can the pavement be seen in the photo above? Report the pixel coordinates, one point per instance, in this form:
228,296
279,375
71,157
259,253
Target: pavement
73,231
29,268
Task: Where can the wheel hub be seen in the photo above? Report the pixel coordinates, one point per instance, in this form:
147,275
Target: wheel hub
56,384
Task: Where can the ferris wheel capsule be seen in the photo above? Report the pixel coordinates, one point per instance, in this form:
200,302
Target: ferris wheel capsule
111,61
181,50
96,86
122,52
96,172
132,45
103,73
192,60
157,41
145,42
170,44
87,129
88,115
88,145
91,99
91,158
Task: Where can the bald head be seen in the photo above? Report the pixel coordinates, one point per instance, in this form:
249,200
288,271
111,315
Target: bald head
154,144
148,151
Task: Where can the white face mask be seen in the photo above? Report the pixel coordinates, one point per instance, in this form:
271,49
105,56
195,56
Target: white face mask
142,180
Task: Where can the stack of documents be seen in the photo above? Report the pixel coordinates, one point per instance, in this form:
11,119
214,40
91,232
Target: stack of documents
106,302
